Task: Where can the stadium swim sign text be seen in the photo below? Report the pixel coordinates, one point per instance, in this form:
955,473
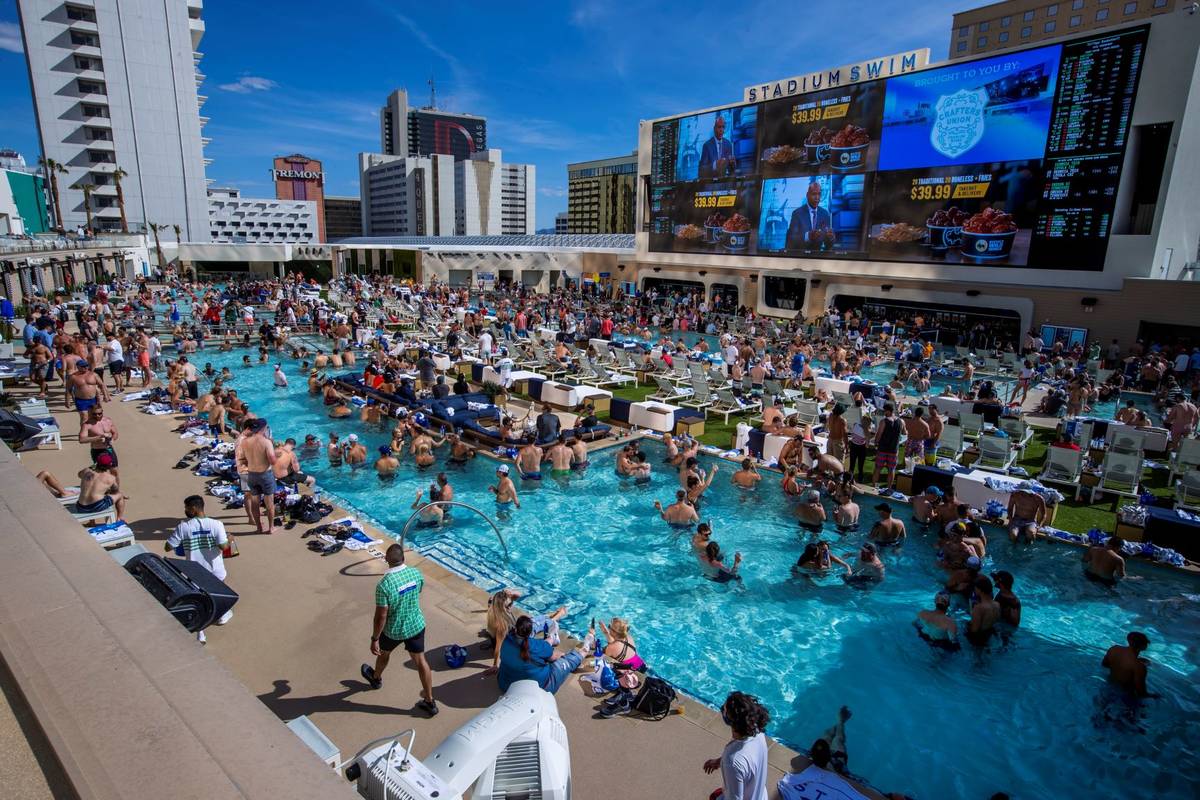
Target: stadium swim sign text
872,69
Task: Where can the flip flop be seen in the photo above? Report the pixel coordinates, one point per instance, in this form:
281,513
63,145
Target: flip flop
316,547
428,707
333,548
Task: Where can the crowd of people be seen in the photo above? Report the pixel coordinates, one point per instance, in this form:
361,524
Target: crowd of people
116,344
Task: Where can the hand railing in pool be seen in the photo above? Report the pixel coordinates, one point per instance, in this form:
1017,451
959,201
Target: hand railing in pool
486,518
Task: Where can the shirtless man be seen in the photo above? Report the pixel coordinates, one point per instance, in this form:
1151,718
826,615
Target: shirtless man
85,387
340,410
792,452
810,512
460,451
681,513
370,413
334,451
918,434
1126,667
697,486
561,457
823,464
924,504
936,426
985,612
422,449
1128,414
99,432
581,460
98,488
256,453
1026,512
838,432
1104,563
354,452
321,361
938,626
529,462
505,491
39,365
387,464
747,477
888,531
774,421
287,466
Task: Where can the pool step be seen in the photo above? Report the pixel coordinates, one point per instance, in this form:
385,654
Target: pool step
483,570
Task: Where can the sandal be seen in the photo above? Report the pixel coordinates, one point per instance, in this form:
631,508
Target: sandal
428,706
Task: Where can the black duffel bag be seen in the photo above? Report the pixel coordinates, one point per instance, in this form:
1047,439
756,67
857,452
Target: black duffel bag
655,698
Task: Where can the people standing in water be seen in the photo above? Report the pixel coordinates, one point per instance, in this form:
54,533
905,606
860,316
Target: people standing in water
1125,665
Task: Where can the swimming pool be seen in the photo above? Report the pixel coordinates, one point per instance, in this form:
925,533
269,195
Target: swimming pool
1032,717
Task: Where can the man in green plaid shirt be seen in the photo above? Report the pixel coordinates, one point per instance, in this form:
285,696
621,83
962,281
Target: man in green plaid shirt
398,620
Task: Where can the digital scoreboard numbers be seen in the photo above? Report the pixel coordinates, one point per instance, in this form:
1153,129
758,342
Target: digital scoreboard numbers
1098,80
664,142
1096,87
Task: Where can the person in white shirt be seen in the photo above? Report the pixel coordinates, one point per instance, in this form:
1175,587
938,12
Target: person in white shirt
743,763
485,345
280,379
1181,365
202,540
114,357
154,350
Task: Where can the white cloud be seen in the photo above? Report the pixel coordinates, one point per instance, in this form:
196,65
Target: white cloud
10,38
249,83
552,191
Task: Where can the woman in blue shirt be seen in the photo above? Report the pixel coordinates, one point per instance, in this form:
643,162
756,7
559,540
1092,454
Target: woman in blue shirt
524,658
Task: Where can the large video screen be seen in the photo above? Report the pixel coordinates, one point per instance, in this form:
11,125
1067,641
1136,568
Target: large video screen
1011,161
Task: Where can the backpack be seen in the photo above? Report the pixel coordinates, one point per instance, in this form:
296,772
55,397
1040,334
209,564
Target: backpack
655,698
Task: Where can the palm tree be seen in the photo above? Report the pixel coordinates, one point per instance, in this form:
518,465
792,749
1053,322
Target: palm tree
178,233
154,226
87,189
117,175
53,169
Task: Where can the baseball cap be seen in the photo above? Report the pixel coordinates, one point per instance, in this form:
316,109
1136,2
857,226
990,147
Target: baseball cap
502,469
933,490
104,460
352,437
384,450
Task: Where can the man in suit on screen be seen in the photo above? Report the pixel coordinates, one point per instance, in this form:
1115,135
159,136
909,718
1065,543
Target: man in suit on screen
808,217
716,157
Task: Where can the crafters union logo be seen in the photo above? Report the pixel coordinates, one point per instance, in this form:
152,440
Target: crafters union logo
959,123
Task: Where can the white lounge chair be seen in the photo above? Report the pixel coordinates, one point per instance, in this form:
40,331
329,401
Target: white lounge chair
93,517
1120,474
602,377
1064,467
667,391
1186,459
1187,492
971,424
995,453
1128,440
700,399
951,443
728,403
1018,432
808,412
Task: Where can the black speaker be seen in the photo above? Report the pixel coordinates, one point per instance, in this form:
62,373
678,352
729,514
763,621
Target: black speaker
191,593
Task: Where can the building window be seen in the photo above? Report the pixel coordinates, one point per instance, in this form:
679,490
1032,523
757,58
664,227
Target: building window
81,39
1102,15
1159,3
1130,8
90,87
1075,20
81,14
90,110
1049,27
1004,21
100,157
83,62
981,41
1076,5
1052,10
963,31
1002,37
983,26
1028,16
99,134
1026,31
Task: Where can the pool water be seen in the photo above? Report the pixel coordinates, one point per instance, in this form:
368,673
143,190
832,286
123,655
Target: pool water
1032,716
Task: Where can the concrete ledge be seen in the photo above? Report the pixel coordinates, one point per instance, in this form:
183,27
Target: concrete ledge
129,702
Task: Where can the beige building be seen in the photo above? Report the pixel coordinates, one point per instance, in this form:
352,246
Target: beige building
602,195
1018,23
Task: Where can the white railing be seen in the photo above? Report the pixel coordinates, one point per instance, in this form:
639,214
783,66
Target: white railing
42,244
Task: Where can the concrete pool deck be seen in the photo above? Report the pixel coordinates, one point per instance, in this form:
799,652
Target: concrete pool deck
301,629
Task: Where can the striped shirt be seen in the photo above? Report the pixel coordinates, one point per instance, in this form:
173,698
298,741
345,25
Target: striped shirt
399,591
202,539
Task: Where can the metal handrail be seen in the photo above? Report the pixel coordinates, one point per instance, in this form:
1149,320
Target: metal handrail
486,518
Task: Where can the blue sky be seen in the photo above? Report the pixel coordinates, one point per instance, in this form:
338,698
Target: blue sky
558,82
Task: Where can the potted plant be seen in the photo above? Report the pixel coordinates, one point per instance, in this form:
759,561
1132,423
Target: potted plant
496,393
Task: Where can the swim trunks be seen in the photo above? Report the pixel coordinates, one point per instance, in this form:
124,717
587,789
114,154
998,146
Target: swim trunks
83,403
885,460
100,505
504,505
814,527
261,483
531,476
560,473
1091,576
